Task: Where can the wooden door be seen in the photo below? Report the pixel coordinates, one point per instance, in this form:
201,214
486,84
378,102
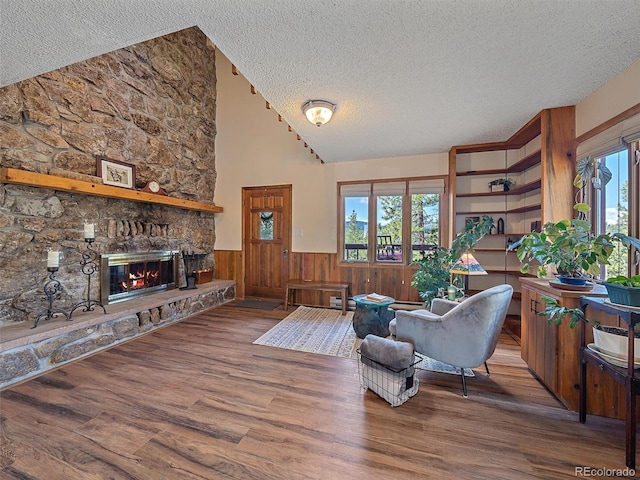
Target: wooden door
267,239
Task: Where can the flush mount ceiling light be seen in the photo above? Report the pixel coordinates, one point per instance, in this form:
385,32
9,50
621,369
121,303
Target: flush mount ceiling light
318,112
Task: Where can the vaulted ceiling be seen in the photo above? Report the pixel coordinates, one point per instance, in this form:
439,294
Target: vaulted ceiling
409,76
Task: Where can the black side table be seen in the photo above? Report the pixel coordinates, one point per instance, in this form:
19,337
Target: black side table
625,376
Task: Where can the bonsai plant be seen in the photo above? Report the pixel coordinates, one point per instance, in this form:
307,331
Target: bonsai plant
569,245
433,277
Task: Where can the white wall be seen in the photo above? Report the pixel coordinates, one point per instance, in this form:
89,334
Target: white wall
614,97
253,149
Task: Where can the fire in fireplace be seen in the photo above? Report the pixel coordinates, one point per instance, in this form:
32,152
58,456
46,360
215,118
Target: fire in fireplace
128,275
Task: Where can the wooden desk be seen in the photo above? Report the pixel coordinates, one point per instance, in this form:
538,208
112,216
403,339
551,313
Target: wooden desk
624,376
293,285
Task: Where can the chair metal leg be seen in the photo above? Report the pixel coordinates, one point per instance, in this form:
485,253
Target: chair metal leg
487,367
464,383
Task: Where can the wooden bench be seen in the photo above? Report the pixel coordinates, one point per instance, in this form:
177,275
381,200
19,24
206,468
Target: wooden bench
293,285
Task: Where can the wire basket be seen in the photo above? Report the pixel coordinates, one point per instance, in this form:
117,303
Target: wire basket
396,386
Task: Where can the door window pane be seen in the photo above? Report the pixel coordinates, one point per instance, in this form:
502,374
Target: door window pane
266,225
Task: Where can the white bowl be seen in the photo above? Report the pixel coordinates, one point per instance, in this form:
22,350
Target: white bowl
615,345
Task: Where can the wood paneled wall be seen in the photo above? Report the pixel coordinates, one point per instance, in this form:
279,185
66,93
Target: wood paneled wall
391,280
230,266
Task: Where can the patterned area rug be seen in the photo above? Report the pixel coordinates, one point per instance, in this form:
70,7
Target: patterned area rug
327,332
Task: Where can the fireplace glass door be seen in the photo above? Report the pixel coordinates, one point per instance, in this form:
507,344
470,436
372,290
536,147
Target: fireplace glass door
125,276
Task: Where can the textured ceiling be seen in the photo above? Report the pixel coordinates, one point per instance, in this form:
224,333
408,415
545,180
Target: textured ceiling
409,77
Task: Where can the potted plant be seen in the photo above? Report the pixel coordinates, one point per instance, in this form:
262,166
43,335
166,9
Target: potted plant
609,340
624,290
501,184
433,277
569,245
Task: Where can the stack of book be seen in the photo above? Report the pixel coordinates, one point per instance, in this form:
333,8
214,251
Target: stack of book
374,297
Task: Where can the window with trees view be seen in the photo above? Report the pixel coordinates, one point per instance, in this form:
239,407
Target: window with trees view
405,216
610,209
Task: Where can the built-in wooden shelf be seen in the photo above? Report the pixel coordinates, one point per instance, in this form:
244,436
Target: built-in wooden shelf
526,208
527,162
514,272
529,187
24,177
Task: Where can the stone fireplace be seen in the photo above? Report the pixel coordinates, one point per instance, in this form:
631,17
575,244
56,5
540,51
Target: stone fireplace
152,106
124,276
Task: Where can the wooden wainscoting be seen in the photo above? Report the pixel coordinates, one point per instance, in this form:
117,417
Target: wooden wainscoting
391,280
230,266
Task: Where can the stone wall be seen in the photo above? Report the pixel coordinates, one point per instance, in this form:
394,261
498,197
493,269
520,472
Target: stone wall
151,105
65,342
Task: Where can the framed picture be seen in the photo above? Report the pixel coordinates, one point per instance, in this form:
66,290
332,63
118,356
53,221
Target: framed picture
115,172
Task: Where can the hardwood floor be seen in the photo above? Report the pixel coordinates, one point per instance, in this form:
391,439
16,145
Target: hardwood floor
197,400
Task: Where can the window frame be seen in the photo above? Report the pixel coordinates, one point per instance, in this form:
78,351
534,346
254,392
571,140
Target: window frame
612,136
372,259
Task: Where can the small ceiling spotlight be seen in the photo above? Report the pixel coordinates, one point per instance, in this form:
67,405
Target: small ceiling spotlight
318,112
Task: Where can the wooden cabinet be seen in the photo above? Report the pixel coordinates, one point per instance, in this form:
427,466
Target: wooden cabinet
539,340
552,352
539,159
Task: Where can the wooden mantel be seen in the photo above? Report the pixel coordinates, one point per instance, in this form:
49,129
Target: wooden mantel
24,177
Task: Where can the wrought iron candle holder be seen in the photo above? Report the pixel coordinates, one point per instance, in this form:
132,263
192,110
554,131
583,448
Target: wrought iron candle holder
190,260
89,267
52,287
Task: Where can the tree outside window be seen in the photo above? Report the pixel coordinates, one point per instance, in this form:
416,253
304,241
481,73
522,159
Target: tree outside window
406,215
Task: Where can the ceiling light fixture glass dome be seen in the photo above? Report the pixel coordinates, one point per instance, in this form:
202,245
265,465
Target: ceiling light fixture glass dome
318,112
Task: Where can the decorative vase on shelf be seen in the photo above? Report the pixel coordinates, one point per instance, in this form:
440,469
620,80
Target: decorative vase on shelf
500,225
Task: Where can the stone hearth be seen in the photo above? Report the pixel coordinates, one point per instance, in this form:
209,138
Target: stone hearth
26,353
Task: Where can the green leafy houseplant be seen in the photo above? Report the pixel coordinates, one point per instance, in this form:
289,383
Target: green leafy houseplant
624,290
569,245
507,182
433,277
556,314
625,281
